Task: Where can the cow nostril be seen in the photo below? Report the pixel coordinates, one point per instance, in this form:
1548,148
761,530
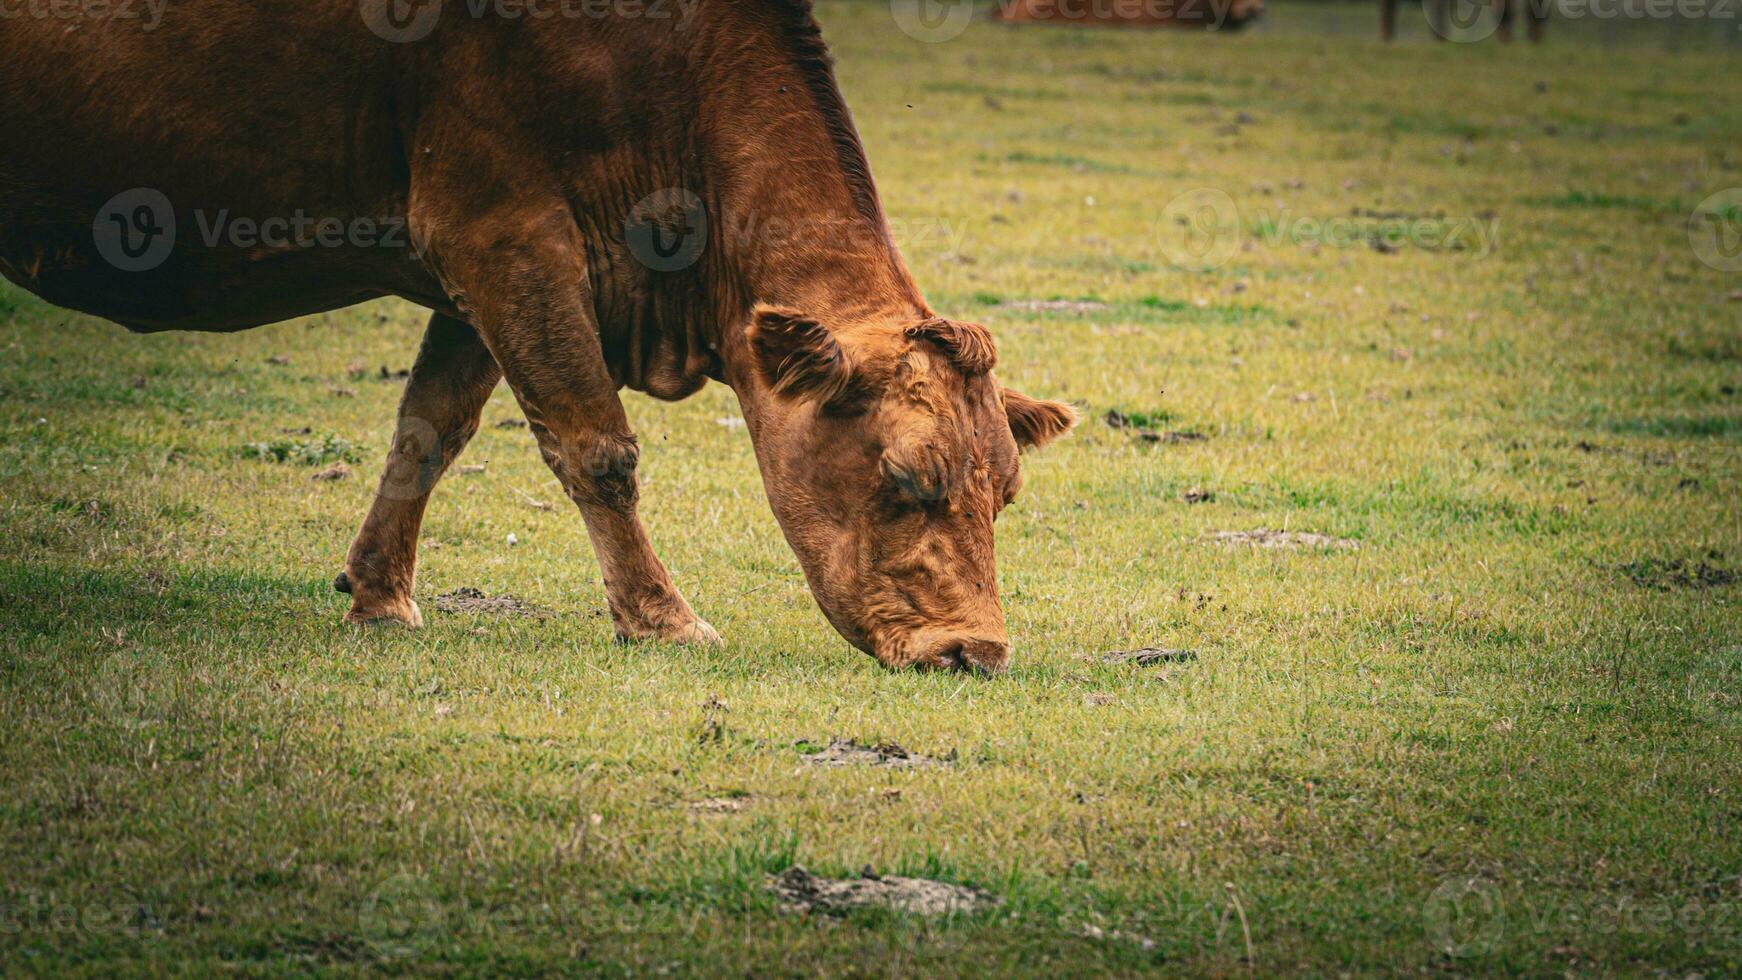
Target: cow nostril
951,655
986,656
982,656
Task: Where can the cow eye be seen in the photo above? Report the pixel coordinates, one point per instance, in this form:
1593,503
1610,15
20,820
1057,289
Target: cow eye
846,407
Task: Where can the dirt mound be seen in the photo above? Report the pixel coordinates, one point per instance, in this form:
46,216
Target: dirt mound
846,752
1680,573
1148,657
470,600
719,804
1053,305
801,891
1139,424
1178,437
1266,538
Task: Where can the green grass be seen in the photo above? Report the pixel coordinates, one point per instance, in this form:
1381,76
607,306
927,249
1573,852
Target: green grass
1498,737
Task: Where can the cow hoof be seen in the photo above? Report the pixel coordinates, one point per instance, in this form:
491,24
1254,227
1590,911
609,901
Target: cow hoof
399,614
694,633
700,634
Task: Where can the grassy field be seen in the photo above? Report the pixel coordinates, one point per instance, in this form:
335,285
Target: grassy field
1498,733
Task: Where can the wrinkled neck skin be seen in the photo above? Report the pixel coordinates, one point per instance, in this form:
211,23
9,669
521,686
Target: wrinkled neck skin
792,219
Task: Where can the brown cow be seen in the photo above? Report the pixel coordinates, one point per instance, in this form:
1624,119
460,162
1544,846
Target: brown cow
582,195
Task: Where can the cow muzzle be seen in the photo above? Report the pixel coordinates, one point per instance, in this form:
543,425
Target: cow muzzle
975,653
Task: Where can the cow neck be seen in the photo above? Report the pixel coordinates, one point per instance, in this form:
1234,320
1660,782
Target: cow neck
797,222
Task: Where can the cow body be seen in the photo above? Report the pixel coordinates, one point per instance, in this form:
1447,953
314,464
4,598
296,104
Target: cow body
584,203
258,124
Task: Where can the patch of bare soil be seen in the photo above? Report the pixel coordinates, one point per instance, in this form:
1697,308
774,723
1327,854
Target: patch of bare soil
1138,425
720,804
1053,306
470,600
846,752
1175,438
1114,935
1680,573
1148,657
801,891
1265,538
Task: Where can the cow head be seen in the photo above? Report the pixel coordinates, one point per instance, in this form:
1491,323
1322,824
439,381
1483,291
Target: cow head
887,451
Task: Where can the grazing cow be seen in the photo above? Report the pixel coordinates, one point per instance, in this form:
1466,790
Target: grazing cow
583,195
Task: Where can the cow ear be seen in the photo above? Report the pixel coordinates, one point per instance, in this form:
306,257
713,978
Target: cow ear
1034,422
799,356
968,345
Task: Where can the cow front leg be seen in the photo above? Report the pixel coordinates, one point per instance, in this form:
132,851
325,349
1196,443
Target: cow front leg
594,457
523,279
444,396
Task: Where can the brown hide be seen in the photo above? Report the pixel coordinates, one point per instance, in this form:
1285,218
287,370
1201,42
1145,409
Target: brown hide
586,203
